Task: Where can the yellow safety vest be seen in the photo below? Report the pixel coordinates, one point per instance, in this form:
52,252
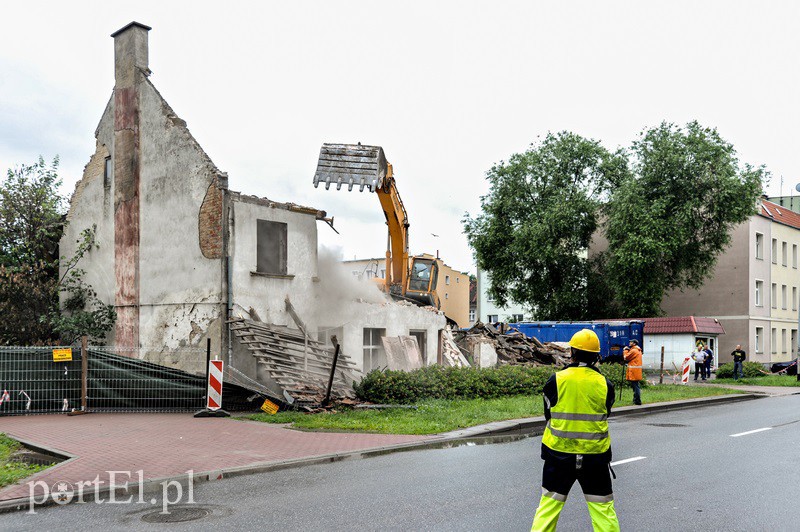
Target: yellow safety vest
579,420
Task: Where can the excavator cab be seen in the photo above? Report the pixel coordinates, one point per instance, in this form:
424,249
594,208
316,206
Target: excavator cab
422,281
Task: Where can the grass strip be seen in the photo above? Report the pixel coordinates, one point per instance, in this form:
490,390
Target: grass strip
440,415
12,471
766,380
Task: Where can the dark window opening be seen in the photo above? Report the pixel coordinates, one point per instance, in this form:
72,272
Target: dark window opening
107,172
271,247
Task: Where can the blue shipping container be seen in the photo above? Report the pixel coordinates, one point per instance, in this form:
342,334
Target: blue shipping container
613,335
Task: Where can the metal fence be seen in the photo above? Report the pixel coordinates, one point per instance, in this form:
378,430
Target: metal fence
125,380
36,380
32,382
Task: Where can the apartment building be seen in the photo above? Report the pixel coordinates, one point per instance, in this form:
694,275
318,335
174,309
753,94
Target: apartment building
489,312
753,291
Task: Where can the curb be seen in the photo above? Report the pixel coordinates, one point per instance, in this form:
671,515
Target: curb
496,432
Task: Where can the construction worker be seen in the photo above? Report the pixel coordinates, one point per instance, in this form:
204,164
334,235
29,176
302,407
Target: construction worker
633,356
576,444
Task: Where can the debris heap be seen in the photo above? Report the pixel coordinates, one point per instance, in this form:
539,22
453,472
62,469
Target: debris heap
514,347
300,365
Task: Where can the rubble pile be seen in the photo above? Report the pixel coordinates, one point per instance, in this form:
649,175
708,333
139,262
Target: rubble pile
513,347
299,365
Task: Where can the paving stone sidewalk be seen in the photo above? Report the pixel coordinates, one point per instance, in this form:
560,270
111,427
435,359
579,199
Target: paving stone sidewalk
169,445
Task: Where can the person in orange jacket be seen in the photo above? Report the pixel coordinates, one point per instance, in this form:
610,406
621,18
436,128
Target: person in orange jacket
633,357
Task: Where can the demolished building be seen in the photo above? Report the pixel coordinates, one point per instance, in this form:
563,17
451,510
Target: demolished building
181,256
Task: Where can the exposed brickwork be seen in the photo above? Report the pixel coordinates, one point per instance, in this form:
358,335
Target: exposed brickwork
94,169
209,224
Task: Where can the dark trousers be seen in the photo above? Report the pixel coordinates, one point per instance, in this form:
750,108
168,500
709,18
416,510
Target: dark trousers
707,365
738,370
594,476
637,392
699,370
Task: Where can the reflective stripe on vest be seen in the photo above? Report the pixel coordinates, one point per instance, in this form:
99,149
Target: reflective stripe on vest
579,420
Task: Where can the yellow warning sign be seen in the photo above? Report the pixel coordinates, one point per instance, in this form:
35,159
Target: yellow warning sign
62,355
269,407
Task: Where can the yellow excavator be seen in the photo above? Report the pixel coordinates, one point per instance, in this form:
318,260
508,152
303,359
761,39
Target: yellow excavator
355,165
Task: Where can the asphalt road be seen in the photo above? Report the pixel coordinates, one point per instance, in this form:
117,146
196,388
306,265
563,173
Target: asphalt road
692,474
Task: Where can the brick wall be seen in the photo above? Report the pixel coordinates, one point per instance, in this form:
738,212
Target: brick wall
210,222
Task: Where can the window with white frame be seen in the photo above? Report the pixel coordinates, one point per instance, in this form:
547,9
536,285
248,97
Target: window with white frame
784,253
794,342
759,339
774,295
374,353
471,314
516,318
759,246
783,340
774,340
492,318
759,293
794,256
794,298
774,251
446,279
783,296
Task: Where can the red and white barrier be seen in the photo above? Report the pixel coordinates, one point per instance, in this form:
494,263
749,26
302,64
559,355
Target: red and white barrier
685,377
214,401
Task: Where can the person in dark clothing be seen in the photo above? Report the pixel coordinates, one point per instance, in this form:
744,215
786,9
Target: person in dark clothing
707,362
738,355
576,445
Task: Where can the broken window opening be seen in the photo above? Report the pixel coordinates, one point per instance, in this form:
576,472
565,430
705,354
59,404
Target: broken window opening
422,342
107,172
324,335
271,244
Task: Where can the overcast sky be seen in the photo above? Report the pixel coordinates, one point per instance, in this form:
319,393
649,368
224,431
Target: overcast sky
447,88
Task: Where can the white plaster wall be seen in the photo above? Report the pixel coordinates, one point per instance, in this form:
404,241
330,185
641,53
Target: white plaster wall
267,294
676,348
397,319
174,178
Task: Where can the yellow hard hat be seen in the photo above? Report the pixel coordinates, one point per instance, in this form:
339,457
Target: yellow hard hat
585,340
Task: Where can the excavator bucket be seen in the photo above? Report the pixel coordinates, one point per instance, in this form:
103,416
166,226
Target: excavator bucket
351,165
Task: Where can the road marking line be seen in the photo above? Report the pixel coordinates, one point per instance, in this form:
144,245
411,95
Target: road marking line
750,432
634,459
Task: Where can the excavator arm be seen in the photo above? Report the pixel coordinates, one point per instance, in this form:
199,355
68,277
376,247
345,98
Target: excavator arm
397,220
366,167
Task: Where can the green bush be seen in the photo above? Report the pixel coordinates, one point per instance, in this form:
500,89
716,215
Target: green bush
750,370
437,382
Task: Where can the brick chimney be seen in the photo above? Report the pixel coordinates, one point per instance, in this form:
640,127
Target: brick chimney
130,53
130,65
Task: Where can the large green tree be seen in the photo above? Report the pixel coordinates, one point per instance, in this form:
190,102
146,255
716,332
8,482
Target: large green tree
537,221
31,224
32,221
672,217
